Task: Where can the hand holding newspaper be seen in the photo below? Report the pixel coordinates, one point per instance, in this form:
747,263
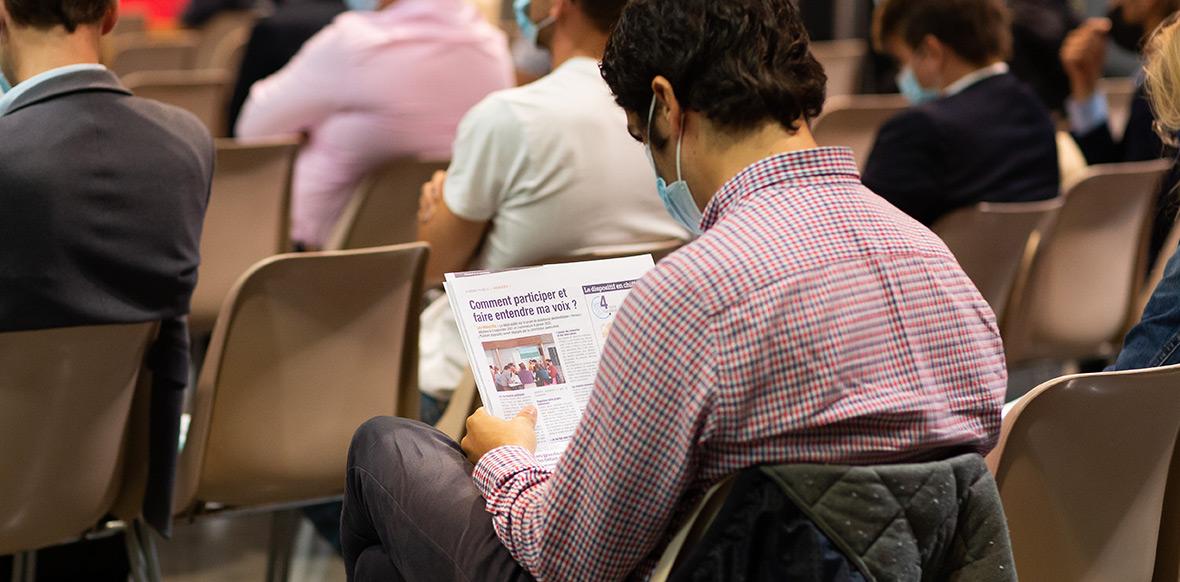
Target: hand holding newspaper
534,336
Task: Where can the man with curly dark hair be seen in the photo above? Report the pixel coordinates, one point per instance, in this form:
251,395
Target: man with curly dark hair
809,322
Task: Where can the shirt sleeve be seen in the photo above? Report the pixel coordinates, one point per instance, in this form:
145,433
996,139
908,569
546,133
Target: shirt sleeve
489,158
1088,115
302,94
632,462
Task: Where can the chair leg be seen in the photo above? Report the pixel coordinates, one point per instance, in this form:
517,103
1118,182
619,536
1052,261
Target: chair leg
147,543
24,567
135,555
284,527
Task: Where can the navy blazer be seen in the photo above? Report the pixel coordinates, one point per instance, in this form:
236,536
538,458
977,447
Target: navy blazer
993,142
1139,143
102,200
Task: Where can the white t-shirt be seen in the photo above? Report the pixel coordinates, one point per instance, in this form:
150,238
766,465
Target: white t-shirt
552,167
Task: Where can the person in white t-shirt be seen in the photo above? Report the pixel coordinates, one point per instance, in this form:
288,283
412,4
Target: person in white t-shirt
538,172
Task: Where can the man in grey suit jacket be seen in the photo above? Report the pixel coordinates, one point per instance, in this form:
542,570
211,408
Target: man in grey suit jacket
102,200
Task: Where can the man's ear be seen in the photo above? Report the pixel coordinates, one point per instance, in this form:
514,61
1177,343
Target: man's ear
934,49
110,18
557,9
668,111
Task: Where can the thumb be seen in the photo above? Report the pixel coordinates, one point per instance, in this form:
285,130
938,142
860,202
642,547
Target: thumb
529,413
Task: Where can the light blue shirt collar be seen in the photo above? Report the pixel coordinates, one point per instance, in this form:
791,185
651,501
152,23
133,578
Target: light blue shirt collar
21,88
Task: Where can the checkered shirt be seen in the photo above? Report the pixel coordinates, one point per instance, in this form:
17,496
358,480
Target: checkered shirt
811,323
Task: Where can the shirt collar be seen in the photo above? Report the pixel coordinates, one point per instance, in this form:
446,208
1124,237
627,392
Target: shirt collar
780,170
21,88
975,77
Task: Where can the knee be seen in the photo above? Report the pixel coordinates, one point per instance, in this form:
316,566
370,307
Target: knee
382,437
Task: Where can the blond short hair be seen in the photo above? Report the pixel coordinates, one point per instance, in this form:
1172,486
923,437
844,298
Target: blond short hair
1162,74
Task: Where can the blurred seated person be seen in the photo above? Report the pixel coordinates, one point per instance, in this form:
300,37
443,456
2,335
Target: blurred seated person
371,87
102,200
974,133
810,322
198,12
1084,57
538,172
1155,340
1039,28
275,40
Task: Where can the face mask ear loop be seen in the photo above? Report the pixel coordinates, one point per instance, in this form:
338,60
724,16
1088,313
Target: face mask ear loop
679,142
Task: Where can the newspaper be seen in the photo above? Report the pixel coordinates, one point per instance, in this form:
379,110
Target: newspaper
534,336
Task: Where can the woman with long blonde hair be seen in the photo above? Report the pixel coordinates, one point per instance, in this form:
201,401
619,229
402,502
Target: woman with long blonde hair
1155,340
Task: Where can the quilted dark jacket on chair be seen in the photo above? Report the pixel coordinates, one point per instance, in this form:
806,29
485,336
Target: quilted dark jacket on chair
940,520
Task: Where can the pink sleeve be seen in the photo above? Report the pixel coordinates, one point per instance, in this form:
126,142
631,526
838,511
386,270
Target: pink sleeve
304,93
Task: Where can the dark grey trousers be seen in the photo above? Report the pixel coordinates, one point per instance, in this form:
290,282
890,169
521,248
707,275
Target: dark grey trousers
411,511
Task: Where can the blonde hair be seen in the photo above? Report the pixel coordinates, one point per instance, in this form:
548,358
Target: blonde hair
1162,75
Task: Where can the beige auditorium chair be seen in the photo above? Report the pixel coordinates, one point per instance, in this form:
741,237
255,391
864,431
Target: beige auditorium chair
132,53
226,25
1082,466
1071,162
853,121
1120,93
67,398
384,210
842,60
231,50
993,243
308,347
248,219
657,249
130,23
203,93
1084,281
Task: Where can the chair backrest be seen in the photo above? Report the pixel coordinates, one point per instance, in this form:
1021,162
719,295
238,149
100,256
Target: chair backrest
853,121
384,210
247,219
308,347
132,53
657,249
231,50
202,93
66,396
1120,92
842,60
1071,162
990,241
227,24
1082,466
130,22
1084,280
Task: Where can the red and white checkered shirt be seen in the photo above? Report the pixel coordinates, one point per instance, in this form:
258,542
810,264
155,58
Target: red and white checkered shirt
812,322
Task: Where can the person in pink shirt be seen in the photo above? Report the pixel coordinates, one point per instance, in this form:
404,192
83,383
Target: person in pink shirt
371,87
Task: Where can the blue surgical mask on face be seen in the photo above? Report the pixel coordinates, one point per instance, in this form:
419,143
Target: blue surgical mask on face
913,91
677,198
362,5
5,86
528,29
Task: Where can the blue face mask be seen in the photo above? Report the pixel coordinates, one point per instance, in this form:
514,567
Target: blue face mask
677,198
362,5
5,86
528,29
913,91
